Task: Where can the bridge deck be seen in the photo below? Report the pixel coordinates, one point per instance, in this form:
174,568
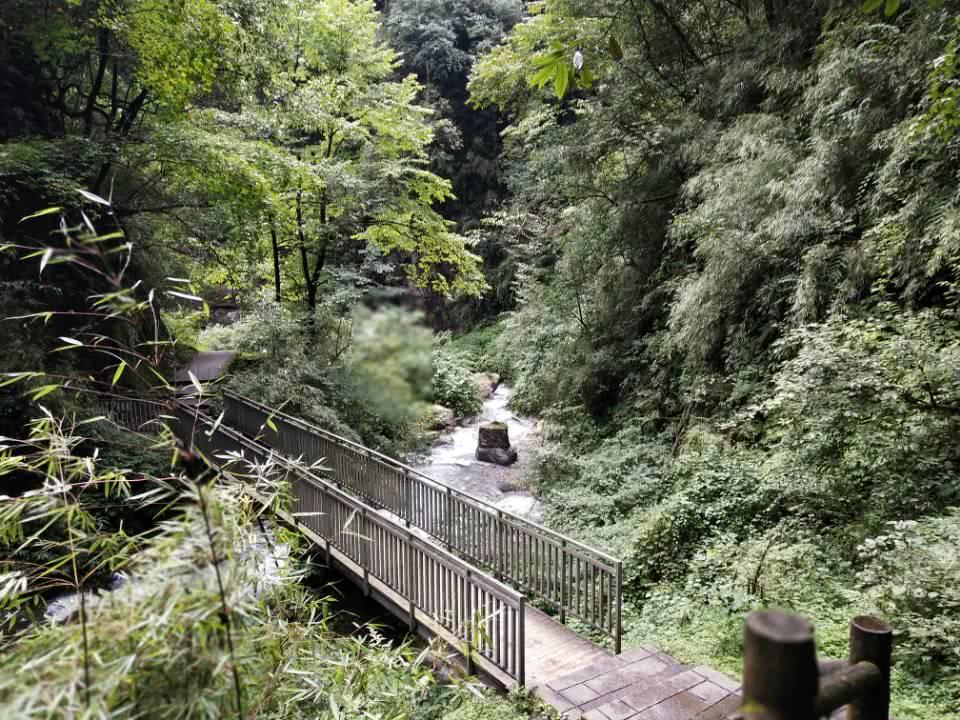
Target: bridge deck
586,682
582,680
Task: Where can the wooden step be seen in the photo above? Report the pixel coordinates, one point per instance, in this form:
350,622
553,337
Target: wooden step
678,693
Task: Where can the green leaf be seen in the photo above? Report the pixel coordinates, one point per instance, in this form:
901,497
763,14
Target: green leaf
43,391
93,198
891,7
71,341
17,377
102,238
561,82
118,372
543,76
616,52
270,424
195,382
47,211
870,5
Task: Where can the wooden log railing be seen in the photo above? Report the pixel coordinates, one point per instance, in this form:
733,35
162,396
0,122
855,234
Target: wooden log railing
783,680
578,581
472,611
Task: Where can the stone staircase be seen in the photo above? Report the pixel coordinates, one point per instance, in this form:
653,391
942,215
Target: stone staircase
642,684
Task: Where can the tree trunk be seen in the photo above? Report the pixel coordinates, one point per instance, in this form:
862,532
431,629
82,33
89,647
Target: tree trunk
276,259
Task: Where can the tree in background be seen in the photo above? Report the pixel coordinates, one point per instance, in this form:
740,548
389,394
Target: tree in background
356,174
739,310
205,122
439,40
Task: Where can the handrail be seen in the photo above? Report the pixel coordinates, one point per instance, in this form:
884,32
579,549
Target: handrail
484,615
576,579
393,462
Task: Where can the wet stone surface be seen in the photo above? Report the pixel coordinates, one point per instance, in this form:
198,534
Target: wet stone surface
452,459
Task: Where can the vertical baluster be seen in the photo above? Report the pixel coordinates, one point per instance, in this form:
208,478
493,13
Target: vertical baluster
469,623
563,581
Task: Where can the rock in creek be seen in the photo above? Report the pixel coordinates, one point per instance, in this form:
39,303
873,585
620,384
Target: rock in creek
440,418
487,384
493,445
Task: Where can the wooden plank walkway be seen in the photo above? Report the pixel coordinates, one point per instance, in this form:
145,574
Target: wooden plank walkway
584,681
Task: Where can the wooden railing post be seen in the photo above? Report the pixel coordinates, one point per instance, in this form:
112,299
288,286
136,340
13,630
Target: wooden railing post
449,519
618,638
563,582
365,551
408,500
780,676
469,589
521,643
499,562
871,640
410,575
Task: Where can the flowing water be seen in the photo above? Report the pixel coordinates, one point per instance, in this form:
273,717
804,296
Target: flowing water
452,459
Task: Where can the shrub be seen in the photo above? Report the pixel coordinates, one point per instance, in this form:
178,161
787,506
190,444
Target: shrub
453,384
366,377
912,572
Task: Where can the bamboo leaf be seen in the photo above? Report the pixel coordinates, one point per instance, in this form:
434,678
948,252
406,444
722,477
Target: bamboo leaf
17,377
43,391
47,254
47,211
93,198
118,372
184,296
195,382
109,236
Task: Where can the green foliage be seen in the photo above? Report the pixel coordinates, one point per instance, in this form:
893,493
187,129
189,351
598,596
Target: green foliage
211,618
737,312
942,118
453,384
910,571
366,376
479,348
440,38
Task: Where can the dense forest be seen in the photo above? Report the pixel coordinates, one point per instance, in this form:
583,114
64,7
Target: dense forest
713,244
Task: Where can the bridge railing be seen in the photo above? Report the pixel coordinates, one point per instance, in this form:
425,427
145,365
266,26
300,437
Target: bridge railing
139,414
579,581
478,613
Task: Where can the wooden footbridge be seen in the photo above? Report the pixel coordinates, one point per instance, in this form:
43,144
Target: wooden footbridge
457,568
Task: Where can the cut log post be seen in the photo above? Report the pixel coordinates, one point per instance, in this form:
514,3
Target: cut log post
493,444
780,675
871,641
494,435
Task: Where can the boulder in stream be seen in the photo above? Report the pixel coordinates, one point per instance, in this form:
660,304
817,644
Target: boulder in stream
487,384
439,417
493,445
